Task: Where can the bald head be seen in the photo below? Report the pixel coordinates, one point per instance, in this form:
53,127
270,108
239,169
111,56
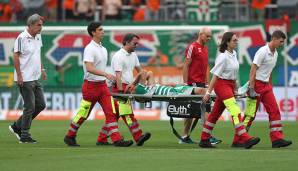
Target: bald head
205,35
205,30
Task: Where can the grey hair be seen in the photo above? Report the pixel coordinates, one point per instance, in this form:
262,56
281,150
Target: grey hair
33,19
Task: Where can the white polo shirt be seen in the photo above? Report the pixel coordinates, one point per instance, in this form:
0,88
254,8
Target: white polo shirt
29,48
226,66
265,61
125,62
98,55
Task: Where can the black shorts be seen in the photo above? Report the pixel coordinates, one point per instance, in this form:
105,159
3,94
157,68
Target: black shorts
203,85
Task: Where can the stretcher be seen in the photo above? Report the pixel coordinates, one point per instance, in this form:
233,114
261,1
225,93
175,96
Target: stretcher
179,106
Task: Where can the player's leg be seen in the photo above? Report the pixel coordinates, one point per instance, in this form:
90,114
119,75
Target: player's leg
39,100
82,114
249,115
250,111
150,78
111,124
275,125
126,113
186,132
240,130
209,124
23,124
89,92
136,130
199,91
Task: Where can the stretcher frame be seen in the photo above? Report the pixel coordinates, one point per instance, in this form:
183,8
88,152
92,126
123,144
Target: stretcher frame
145,98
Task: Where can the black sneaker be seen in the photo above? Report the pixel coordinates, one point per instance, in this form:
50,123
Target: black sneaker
281,143
237,145
123,143
206,144
253,141
71,141
13,129
215,141
102,143
27,140
186,140
143,138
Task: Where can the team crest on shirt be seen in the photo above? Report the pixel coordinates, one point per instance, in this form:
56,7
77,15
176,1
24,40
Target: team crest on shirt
68,45
200,50
147,43
7,40
291,51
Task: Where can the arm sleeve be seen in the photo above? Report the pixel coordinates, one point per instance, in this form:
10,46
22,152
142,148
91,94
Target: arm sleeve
18,45
188,52
88,56
137,62
219,65
259,57
41,44
117,63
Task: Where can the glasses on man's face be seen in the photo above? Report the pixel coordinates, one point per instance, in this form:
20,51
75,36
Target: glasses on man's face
134,43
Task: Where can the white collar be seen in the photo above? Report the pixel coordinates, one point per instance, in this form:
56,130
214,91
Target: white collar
230,54
269,51
96,44
124,51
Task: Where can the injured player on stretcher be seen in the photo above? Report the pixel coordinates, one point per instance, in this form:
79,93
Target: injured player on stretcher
144,84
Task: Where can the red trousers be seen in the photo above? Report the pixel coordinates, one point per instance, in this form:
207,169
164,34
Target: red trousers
99,92
134,128
268,99
224,89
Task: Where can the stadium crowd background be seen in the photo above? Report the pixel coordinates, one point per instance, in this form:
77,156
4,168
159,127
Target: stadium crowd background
148,10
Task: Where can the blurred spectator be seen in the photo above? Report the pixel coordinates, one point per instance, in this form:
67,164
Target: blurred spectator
175,9
68,6
137,2
258,7
33,6
51,10
111,10
126,2
290,7
139,13
17,10
5,11
84,9
152,10
160,59
99,2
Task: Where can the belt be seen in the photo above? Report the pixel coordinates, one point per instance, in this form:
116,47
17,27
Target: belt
225,79
262,81
95,82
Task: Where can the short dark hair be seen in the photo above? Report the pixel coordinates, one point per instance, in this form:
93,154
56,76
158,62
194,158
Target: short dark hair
227,36
128,38
278,34
92,27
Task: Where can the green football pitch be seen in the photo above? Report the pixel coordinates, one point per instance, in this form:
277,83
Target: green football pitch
161,152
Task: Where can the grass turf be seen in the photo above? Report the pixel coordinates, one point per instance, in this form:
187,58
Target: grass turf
161,152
